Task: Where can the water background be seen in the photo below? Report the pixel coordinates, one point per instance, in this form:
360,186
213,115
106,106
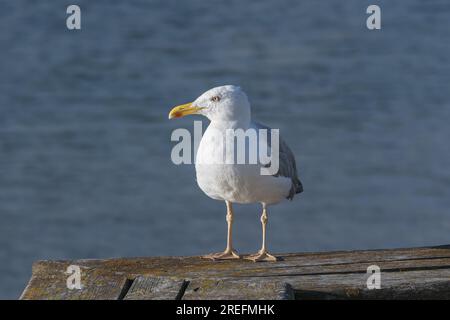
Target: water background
85,168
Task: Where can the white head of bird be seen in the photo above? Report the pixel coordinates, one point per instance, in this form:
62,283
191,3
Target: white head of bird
225,103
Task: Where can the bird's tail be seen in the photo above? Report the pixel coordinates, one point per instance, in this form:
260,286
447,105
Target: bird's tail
297,187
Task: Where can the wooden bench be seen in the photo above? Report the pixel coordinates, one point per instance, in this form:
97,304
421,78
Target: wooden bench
411,273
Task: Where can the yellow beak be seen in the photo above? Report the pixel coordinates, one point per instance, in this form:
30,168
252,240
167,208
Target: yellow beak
183,110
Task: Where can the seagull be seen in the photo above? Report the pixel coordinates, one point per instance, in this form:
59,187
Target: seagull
227,107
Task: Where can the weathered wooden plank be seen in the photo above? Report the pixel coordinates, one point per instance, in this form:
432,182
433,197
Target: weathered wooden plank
322,275
420,284
238,289
156,288
246,269
186,265
94,286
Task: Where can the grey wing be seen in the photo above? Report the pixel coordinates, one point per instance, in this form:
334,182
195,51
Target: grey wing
287,166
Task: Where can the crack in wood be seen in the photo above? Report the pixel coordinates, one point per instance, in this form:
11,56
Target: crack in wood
182,290
125,288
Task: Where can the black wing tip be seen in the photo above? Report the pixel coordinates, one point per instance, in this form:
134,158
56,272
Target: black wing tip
299,188
295,190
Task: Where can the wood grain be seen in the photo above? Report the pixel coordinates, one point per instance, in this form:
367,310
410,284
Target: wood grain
238,289
156,288
415,273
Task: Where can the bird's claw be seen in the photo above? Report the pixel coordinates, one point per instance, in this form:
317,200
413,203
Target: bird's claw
226,255
262,256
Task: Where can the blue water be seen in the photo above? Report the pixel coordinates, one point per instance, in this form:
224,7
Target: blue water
85,168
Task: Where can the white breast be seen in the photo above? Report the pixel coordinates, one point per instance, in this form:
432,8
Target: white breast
239,183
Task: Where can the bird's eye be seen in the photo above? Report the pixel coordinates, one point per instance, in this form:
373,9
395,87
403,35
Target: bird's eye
215,98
